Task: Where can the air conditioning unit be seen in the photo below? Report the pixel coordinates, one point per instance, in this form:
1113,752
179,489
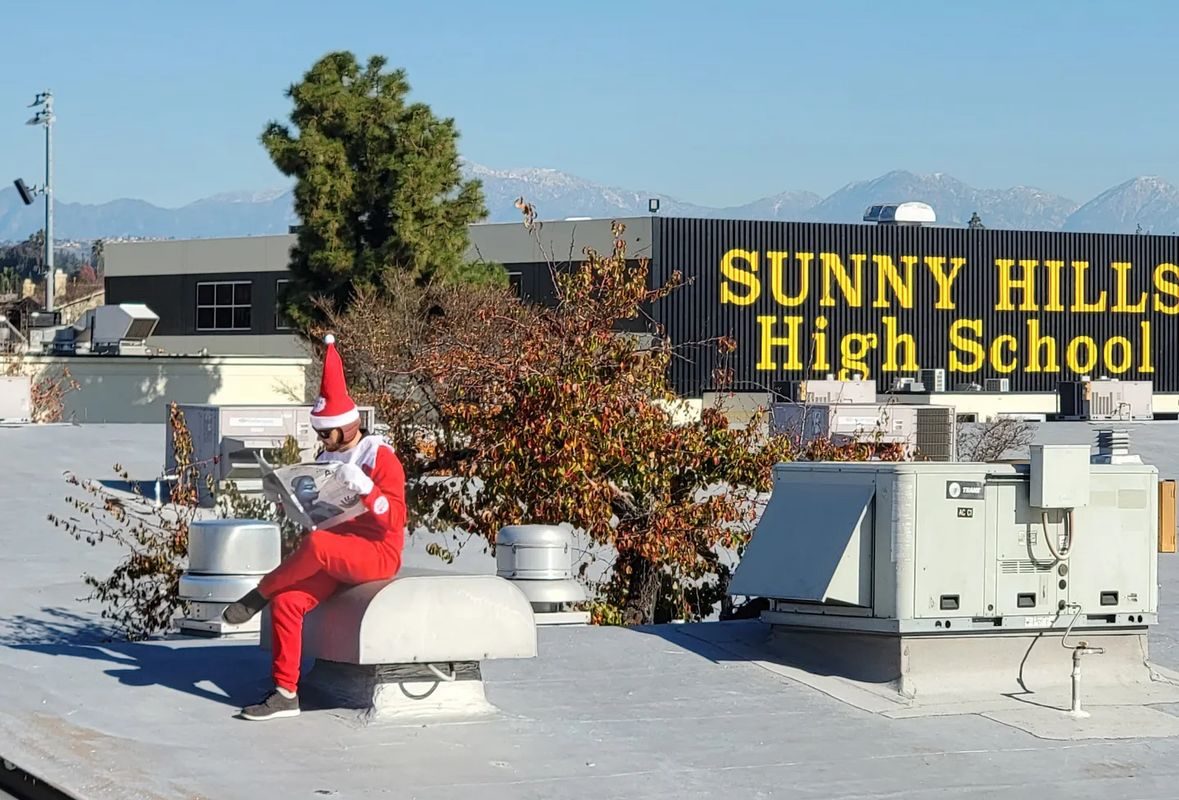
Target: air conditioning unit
226,438
845,422
997,384
828,390
937,433
934,379
1106,400
967,386
47,339
908,385
960,547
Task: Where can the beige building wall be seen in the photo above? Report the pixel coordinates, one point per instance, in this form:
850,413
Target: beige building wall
133,389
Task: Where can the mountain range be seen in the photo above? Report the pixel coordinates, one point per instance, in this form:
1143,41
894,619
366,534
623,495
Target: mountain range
1146,203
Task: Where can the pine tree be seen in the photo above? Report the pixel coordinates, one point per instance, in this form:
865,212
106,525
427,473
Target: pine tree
378,184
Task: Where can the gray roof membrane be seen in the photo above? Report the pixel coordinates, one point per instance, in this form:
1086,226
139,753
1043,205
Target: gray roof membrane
678,711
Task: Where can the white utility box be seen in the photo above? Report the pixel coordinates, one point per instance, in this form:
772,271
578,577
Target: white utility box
16,398
933,548
1059,475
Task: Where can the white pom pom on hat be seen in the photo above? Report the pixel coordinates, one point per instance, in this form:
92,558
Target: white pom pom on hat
329,339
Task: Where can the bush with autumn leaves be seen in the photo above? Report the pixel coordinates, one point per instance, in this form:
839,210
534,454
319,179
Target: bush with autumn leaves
509,413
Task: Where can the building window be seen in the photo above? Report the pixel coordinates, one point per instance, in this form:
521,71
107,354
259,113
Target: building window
516,283
281,321
223,306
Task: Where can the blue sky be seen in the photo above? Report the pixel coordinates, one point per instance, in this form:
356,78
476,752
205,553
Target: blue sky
709,102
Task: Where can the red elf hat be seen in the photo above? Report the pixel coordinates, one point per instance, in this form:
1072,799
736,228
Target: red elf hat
334,408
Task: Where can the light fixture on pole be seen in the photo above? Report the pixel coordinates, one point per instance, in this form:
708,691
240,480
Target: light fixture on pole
45,118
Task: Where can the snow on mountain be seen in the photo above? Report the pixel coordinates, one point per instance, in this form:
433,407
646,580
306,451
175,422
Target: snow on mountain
953,201
1151,202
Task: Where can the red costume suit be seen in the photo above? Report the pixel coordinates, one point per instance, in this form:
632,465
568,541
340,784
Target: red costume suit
365,548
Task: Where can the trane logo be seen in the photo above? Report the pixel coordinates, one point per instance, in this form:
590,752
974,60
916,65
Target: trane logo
964,490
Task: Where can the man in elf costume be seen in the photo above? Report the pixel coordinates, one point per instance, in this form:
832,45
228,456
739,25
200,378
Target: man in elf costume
365,548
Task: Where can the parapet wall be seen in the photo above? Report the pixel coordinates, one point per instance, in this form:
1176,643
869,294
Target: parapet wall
138,389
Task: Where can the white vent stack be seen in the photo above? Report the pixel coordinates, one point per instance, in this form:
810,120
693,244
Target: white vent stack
1113,447
226,559
538,559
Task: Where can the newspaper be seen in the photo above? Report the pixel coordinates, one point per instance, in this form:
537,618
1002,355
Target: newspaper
309,495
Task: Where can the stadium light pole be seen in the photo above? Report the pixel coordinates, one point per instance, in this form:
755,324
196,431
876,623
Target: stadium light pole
45,118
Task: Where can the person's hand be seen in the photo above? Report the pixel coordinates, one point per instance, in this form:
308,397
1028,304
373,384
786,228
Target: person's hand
354,478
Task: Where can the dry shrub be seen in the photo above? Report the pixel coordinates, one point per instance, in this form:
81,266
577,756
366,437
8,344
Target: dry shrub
141,595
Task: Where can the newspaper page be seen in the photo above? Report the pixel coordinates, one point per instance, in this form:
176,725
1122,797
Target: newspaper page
309,495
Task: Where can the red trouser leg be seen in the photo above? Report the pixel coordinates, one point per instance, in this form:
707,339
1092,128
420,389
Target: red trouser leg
307,577
287,609
348,559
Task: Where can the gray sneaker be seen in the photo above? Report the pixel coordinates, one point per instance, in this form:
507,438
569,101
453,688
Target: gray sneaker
244,610
275,705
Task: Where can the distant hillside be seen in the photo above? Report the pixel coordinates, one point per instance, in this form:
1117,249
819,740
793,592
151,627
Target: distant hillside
1150,203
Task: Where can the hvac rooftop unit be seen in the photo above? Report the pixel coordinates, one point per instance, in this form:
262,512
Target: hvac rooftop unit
829,390
46,339
16,398
908,385
1106,400
226,438
957,549
934,379
845,422
968,386
997,384
115,329
43,319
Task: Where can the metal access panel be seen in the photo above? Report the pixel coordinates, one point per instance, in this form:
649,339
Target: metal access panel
817,546
1107,573
949,550
16,398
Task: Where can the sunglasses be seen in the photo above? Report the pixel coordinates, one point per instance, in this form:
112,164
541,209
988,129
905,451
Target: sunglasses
324,434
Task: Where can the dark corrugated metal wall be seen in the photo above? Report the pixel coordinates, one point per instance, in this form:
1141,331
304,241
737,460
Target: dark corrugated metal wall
697,248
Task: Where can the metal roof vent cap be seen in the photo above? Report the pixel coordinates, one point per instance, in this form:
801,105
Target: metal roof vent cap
1113,447
538,559
226,559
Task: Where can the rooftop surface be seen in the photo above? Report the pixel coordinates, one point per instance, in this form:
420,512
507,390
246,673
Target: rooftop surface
664,712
